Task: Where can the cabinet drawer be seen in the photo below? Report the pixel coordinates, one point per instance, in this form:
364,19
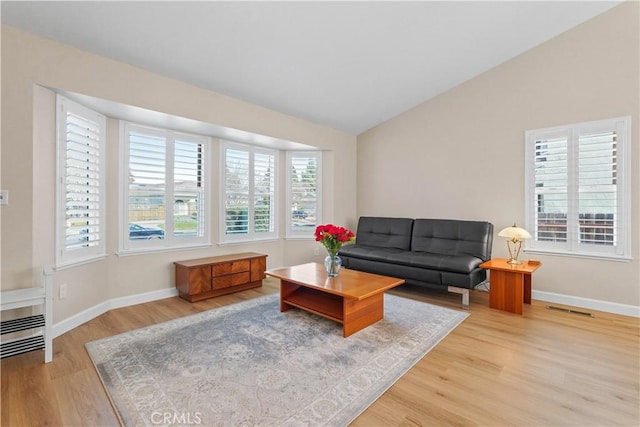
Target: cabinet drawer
230,280
231,267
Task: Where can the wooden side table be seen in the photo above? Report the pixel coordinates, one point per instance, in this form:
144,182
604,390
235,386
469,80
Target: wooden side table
510,285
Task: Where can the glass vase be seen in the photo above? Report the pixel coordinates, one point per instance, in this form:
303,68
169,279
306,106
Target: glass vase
332,264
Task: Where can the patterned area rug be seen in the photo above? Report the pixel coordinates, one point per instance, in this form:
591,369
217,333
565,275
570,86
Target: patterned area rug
249,364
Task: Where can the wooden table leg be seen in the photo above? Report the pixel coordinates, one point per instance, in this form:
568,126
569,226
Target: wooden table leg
360,314
506,291
286,289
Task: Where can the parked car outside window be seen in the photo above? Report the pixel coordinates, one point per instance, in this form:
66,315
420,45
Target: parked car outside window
299,214
136,231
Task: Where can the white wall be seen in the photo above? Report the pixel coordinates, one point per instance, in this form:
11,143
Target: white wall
461,155
31,66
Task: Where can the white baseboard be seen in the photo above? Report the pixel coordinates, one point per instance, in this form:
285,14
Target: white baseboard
609,307
91,313
95,311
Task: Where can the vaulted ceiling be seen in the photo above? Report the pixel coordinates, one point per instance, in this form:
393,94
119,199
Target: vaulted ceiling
347,65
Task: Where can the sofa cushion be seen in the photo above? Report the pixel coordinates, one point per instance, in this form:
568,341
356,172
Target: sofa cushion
384,232
453,237
371,253
454,263
410,274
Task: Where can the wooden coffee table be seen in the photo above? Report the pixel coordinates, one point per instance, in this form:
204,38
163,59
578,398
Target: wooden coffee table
354,298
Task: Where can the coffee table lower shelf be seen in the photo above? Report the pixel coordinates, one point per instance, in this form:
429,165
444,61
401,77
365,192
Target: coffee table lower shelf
353,314
320,303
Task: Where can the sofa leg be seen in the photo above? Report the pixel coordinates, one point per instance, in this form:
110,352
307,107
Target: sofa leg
465,295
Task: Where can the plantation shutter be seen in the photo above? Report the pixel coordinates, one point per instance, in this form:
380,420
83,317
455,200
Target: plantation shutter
188,188
147,178
577,199
597,181
81,191
551,189
164,195
236,191
303,194
263,192
249,192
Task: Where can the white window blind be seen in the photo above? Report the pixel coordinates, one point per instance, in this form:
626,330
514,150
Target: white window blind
164,193
188,184
597,188
248,189
551,180
81,171
236,191
303,193
147,180
578,196
264,192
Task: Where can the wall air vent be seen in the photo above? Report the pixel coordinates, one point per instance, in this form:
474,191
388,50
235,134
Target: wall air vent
569,310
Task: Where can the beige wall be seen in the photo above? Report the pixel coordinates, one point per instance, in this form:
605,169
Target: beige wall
31,65
461,155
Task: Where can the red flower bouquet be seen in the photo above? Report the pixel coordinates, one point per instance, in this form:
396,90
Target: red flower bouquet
333,237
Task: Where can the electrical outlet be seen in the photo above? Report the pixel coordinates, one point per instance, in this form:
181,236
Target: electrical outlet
62,291
4,197
316,251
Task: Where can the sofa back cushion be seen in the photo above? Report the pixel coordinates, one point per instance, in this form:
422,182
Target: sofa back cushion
385,232
453,237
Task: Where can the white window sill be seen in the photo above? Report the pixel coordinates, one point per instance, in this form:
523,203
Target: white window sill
143,251
307,237
605,257
247,242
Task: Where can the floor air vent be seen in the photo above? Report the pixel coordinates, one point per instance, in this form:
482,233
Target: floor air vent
569,310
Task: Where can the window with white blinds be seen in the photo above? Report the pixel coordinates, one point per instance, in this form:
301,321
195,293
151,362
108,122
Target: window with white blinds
248,189
303,193
577,189
80,189
164,189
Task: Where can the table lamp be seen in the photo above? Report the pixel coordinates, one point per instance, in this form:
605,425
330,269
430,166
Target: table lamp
515,235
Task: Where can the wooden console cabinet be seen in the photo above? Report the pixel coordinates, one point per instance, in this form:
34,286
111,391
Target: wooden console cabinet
198,279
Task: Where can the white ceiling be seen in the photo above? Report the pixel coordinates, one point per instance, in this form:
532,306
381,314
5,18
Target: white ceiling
347,65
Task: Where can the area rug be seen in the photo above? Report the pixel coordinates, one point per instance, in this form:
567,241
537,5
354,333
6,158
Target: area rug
249,364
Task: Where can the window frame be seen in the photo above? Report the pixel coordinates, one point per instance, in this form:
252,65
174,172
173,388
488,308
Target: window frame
251,235
65,257
621,249
169,242
290,232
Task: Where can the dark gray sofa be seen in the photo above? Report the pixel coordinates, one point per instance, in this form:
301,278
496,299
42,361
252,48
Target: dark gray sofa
437,253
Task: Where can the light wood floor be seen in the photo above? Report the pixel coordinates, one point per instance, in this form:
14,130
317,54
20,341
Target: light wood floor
545,368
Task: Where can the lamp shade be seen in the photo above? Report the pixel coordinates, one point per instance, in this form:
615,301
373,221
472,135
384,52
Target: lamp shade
514,232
